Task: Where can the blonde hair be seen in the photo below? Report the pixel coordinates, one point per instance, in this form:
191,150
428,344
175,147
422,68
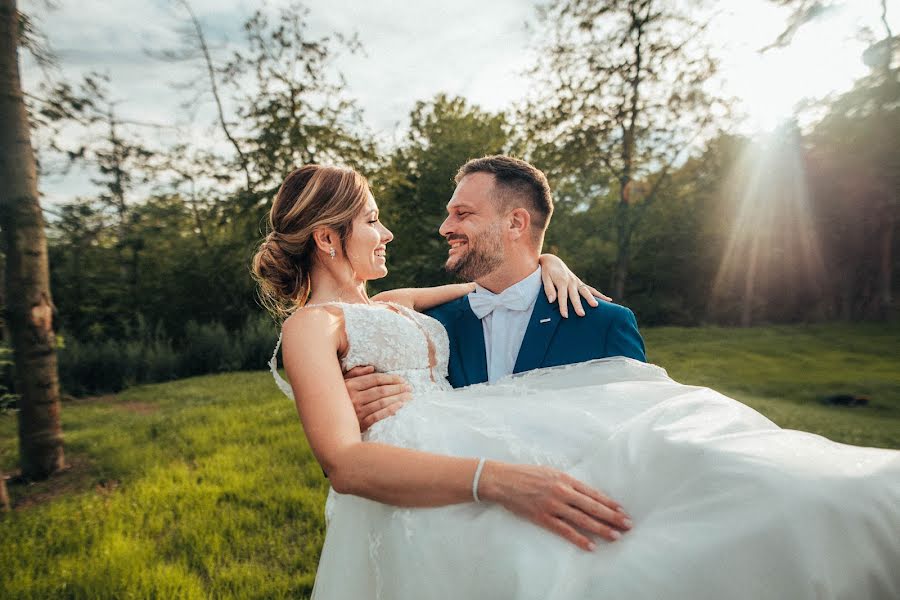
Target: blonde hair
311,197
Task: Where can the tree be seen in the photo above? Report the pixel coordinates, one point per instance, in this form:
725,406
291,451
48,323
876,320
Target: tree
802,12
626,92
119,161
4,495
855,162
858,138
29,303
414,188
291,102
195,48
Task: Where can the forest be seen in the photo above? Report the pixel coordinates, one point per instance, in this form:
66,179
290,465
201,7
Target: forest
659,202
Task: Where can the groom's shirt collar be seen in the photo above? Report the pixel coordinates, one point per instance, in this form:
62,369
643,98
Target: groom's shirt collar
504,329
525,290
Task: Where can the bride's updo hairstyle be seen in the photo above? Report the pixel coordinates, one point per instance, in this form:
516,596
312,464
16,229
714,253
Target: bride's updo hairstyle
312,196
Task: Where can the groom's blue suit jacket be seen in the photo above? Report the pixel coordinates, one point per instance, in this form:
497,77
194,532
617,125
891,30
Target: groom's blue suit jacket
605,330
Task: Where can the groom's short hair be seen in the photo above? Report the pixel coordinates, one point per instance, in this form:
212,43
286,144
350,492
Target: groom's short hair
516,183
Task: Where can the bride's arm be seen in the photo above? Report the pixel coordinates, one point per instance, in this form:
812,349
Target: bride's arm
559,282
384,473
421,299
404,477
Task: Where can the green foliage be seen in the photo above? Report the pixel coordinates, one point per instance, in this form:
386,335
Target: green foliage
298,112
623,91
7,399
414,188
144,356
854,167
178,265
179,256
205,487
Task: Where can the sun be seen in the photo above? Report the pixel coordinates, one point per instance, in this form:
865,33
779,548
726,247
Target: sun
823,58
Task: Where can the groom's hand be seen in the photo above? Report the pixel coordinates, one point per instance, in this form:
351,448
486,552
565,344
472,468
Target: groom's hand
375,396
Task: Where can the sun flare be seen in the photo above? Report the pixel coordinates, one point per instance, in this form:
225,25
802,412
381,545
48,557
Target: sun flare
773,242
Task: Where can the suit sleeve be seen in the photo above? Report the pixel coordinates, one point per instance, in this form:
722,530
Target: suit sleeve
623,337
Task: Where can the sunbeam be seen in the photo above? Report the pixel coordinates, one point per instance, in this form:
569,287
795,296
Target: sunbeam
772,254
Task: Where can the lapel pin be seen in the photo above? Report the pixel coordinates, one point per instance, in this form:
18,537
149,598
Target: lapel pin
547,320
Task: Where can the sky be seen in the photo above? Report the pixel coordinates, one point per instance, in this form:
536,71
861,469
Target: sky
415,49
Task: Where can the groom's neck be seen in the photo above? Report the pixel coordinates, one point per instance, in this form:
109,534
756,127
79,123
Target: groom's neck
513,270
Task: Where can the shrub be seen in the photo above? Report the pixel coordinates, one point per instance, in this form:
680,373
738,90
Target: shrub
145,356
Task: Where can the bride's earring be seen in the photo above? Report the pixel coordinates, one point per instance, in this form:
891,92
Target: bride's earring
331,252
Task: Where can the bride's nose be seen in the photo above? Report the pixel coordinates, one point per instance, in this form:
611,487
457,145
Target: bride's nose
386,235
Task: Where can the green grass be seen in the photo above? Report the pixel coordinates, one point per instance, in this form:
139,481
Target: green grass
205,487
198,488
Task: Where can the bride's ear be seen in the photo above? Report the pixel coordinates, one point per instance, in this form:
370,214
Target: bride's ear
326,239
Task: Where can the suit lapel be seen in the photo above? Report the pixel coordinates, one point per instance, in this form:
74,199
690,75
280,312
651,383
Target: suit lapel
544,320
470,345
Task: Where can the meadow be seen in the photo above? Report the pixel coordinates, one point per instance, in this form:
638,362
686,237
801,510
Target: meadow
205,487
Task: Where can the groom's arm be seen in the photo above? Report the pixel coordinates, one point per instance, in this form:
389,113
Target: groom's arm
376,396
623,337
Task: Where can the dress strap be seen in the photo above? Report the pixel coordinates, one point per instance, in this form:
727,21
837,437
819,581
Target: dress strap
283,385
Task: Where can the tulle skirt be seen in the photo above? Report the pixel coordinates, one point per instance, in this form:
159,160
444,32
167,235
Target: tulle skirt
725,503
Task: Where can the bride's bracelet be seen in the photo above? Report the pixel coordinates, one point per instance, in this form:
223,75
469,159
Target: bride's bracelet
476,479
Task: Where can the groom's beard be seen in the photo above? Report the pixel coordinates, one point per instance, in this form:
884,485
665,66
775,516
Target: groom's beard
483,255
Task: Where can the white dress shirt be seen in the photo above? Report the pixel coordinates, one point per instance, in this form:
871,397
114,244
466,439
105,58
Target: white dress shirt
504,328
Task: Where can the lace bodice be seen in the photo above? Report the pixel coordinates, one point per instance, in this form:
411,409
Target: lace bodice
393,339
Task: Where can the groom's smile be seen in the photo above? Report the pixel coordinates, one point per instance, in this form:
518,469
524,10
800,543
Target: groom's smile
456,243
473,229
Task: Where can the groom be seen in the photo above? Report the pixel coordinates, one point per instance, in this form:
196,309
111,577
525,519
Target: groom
495,227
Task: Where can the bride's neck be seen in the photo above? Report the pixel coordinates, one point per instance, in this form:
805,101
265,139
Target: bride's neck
336,283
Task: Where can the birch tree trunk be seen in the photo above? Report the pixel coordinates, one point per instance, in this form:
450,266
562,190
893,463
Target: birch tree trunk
29,304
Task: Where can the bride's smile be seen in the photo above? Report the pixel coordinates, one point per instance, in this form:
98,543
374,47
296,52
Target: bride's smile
367,244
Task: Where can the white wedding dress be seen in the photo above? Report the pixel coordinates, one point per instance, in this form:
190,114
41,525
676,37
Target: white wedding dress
725,504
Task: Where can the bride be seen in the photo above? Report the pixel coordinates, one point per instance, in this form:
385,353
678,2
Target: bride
458,494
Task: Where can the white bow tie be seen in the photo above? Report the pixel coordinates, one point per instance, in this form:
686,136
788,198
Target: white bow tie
484,303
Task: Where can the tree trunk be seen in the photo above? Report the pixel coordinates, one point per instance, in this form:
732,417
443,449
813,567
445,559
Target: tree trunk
885,295
30,308
620,276
623,245
4,495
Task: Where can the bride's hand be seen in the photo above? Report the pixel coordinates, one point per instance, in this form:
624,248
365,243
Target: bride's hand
560,281
555,501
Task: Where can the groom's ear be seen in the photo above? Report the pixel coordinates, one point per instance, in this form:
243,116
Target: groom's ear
519,223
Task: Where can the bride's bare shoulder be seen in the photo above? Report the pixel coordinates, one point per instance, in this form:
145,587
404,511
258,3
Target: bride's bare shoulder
315,323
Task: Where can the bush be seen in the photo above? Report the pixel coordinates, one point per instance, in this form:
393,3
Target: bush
258,337
94,368
209,348
108,366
